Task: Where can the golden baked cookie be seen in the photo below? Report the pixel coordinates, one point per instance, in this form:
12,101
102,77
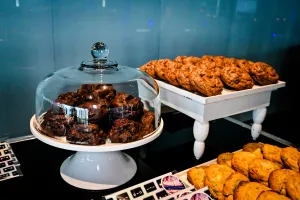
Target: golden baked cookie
233,182
244,64
196,176
290,157
236,78
219,61
180,59
210,66
272,153
206,83
170,72
254,147
225,159
293,186
299,163
183,74
265,183
149,68
241,160
216,175
260,169
270,195
230,61
191,60
159,68
278,179
263,74
207,57
249,191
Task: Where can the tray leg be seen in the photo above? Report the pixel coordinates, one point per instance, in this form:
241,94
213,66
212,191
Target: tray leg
98,171
258,116
200,133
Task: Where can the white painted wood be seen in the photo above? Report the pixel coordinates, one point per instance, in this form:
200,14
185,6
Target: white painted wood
258,118
200,130
259,115
230,102
226,94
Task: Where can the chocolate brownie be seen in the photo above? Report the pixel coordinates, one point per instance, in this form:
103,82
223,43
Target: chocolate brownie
95,92
124,130
86,134
147,123
205,82
54,124
70,98
126,106
263,74
236,78
93,111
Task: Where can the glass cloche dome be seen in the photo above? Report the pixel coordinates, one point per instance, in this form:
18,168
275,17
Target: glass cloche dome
98,102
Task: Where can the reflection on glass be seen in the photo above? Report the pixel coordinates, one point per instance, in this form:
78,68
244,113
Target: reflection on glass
49,35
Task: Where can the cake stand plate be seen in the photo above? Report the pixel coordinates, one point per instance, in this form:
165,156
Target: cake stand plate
96,167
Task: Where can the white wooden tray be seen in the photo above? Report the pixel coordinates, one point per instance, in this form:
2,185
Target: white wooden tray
205,109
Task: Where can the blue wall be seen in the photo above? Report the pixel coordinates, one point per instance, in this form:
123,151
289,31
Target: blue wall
38,37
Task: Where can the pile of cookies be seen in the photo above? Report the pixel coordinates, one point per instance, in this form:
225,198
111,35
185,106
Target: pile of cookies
260,171
208,75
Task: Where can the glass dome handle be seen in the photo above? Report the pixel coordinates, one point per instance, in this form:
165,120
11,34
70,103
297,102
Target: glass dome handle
100,51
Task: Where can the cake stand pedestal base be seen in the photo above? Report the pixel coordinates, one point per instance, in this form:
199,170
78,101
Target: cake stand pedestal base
98,170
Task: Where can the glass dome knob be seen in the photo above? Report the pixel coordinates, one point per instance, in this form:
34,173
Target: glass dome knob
100,51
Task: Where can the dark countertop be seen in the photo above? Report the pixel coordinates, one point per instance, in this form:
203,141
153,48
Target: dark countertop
40,163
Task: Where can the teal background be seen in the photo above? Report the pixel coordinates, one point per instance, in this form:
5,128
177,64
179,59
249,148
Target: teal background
38,37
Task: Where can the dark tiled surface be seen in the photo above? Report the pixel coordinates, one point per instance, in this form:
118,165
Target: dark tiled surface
284,125
40,163
224,136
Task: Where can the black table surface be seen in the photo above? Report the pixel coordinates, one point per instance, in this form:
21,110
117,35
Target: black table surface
40,163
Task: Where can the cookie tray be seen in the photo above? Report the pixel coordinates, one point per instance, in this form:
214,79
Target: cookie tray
228,103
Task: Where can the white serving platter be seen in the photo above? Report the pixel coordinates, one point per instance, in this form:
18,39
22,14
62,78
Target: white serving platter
97,167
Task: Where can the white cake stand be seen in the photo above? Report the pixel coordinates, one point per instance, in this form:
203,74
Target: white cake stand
96,167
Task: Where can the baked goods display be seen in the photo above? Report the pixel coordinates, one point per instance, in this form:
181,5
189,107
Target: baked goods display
259,171
95,113
209,75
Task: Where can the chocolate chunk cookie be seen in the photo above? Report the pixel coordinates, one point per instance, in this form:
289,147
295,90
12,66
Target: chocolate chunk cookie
236,78
244,65
263,74
229,60
180,59
183,74
219,61
205,82
159,68
170,72
149,68
191,60
211,66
